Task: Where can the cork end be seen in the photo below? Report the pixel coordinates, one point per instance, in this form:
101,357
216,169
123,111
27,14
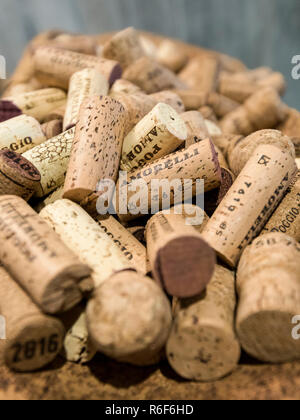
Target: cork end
115,74
78,195
8,110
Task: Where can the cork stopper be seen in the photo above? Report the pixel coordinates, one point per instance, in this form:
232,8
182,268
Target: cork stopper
36,257
203,345
124,47
97,147
208,113
33,340
8,110
20,134
55,66
159,133
196,126
17,175
192,98
221,104
250,202
170,98
52,129
57,114
124,86
202,72
83,84
226,142
152,77
129,319
171,56
268,287
291,128
83,44
194,215
182,262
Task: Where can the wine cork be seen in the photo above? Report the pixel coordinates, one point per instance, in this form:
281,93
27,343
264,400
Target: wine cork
202,73
86,238
197,129
97,147
51,158
159,133
83,84
235,87
20,88
231,64
124,86
214,198
52,128
39,103
221,104
298,163
8,111
33,340
208,113
152,77
149,46
17,175
54,66
213,128
262,110
139,233
194,216
170,98
291,128
221,158
286,218
129,319
199,161
250,202
269,290
83,44
192,98
178,255
226,142
132,249
203,345
124,47
57,114
170,55
20,134
244,147
37,258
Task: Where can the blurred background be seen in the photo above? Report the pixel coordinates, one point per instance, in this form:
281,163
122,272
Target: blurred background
259,32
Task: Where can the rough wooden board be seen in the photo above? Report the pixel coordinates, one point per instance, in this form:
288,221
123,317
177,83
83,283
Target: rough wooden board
105,379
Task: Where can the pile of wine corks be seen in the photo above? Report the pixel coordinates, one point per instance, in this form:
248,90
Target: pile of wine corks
164,280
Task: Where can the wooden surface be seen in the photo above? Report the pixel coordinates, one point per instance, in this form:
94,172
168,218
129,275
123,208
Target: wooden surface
260,32
103,379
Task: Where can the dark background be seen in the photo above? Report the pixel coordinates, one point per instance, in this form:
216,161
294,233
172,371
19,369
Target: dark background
260,32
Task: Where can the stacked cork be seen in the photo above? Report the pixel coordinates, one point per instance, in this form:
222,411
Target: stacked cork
149,207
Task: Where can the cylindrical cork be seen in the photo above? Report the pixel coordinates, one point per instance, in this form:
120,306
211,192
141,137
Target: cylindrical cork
36,257
20,134
170,55
86,238
199,161
192,99
129,319
291,128
19,88
83,84
203,345
152,77
221,104
263,110
133,250
55,66
96,148
170,98
39,103
208,113
202,73
182,262
33,340
51,159
78,43
245,147
226,142
214,198
298,163
193,215
286,218
197,129
124,86
17,175
8,111
269,289
213,128
124,47
52,128
149,46
236,87
57,114
159,133
250,202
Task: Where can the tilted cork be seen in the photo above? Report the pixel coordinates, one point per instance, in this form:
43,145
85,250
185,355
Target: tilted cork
196,126
203,345
36,257
170,98
8,110
33,340
268,287
192,98
124,86
202,73
52,128
83,44
56,114
170,55
250,202
291,128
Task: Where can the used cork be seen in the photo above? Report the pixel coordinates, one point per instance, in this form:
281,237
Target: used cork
194,215
33,340
129,319
52,128
151,76
8,111
170,55
83,84
203,345
20,134
202,73
124,86
159,133
268,287
17,175
170,98
51,158
197,128
182,262
57,114
55,66
250,202
192,98
36,257
96,148
74,42
291,128
208,113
